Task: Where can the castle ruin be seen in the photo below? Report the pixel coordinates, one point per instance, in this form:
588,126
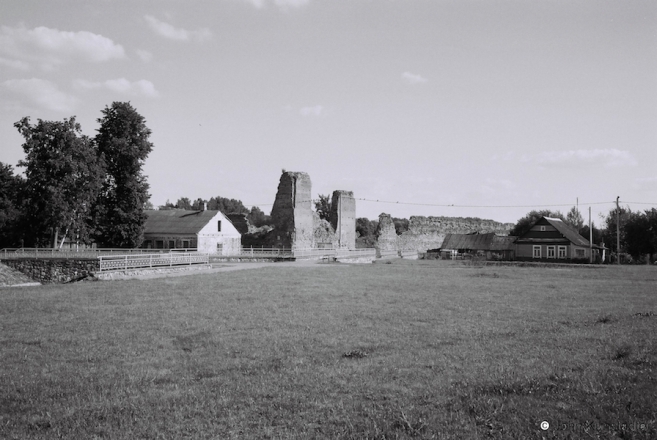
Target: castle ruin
297,226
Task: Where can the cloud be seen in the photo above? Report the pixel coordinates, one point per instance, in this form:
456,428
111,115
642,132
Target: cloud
144,55
311,111
493,187
608,158
121,85
42,93
280,3
166,30
14,64
49,48
412,78
645,183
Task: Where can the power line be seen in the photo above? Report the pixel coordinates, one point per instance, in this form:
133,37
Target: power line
454,205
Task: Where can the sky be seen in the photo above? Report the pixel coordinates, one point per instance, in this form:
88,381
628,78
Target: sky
471,108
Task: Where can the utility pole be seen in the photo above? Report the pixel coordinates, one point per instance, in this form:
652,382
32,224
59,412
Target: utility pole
590,238
617,231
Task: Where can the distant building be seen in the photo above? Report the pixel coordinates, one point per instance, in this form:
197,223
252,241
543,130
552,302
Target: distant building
552,239
206,231
489,246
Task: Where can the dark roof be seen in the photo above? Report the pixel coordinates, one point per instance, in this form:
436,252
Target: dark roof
176,221
468,241
567,231
502,243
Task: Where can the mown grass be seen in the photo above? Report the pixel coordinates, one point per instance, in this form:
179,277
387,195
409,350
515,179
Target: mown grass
404,350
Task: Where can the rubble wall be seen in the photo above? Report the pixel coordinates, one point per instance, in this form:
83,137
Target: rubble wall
426,233
387,238
292,215
343,218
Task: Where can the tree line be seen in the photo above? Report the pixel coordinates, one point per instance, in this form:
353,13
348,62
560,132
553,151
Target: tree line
76,187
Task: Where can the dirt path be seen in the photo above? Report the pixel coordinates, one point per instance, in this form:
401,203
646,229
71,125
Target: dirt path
216,267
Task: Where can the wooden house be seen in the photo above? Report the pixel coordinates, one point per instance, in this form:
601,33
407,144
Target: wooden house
552,239
205,231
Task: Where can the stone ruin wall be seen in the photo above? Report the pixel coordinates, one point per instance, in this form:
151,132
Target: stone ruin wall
297,226
426,233
292,215
343,218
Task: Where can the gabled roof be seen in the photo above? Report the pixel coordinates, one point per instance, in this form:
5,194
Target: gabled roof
177,221
567,231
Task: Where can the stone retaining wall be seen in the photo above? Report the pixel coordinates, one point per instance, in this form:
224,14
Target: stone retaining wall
54,270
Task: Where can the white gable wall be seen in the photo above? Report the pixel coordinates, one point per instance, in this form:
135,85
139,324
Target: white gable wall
210,237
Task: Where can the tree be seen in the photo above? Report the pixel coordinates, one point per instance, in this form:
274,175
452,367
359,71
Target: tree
640,234
258,218
63,177
323,207
184,203
574,217
401,225
123,144
524,224
227,206
11,187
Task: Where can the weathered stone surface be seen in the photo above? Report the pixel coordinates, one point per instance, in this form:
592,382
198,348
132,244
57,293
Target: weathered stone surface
292,214
426,233
343,218
387,238
54,270
323,234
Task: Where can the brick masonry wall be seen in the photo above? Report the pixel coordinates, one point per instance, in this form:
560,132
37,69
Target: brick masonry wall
54,270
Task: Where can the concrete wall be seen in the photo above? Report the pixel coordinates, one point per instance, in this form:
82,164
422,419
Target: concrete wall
292,214
54,270
343,218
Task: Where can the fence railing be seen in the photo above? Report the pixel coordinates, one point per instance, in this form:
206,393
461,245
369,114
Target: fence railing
126,262
8,253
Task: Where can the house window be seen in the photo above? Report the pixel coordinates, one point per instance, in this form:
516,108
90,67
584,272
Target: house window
542,228
185,244
172,244
220,248
159,244
579,253
562,252
551,252
219,226
537,251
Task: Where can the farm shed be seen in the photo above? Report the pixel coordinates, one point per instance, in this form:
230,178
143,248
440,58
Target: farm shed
552,239
207,231
491,246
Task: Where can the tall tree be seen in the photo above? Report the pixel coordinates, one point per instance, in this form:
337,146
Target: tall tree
574,217
123,143
10,206
63,176
524,224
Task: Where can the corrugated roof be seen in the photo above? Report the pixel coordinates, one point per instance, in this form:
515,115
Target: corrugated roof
176,221
567,231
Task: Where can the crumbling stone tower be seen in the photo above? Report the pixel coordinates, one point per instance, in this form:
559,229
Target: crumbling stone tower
292,214
343,218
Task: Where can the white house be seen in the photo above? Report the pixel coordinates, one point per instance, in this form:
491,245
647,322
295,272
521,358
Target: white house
206,231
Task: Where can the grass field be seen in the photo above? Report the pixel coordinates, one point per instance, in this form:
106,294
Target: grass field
419,349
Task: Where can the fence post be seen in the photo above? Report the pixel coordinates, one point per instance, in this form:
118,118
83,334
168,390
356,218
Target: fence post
150,260
126,262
